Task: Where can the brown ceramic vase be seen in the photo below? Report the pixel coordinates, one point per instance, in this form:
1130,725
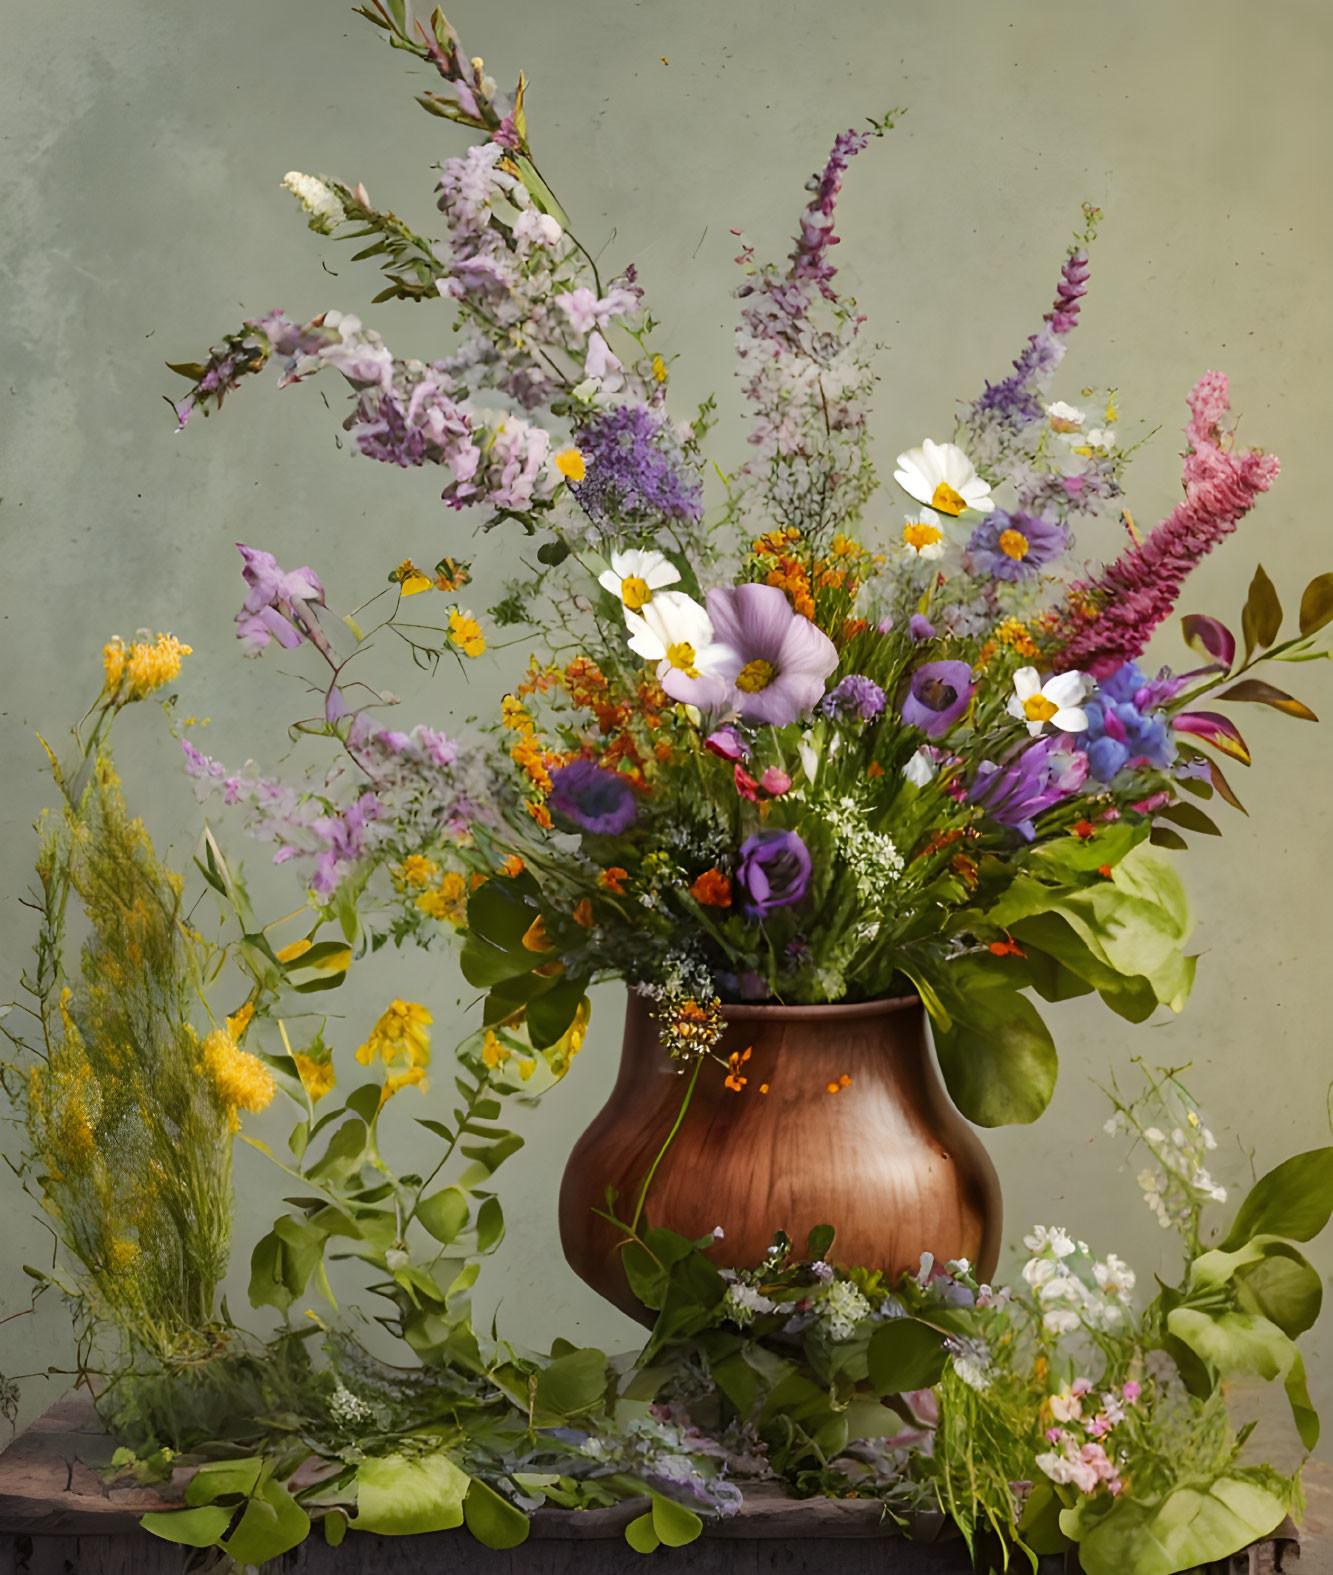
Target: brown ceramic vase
887,1160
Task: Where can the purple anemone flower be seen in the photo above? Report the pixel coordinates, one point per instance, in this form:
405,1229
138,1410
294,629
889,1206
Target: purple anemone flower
773,872
775,660
1014,546
856,696
938,695
1015,793
594,799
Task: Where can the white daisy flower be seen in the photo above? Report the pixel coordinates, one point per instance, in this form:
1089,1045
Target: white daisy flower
1058,701
943,477
922,536
674,631
636,574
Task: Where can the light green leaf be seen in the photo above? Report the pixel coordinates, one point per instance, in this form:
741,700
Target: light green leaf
335,1527
493,1520
397,1495
216,1479
195,1528
571,1384
444,1213
998,1057
674,1524
905,1354
1294,1201
272,1524
641,1536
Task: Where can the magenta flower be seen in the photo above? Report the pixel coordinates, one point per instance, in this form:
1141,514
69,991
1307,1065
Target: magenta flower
938,695
277,603
728,744
775,660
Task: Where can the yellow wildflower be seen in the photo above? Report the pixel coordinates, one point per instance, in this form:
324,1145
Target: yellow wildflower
418,870
448,900
145,665
409,579
514,716
401,1034
451,575
465,632
529,755
396,1080
1014,634
123,1253
238,1022
242,1080
494,1051
563,1051
317,1077
569,462
659,369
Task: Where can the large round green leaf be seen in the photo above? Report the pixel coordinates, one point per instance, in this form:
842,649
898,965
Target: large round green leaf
399,1494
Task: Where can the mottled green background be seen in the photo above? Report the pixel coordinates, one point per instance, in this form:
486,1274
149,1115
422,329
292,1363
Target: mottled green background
143,146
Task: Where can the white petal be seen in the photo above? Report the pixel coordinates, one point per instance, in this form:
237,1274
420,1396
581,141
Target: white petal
1071,720
662,573
1027,682
1065,689
609,580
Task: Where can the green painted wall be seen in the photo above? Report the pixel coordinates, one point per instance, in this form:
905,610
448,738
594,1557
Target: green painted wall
143,146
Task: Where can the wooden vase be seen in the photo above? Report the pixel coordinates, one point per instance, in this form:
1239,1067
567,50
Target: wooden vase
886,1159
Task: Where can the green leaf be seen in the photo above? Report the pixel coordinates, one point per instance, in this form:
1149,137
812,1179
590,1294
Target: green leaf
502,911
493,1520
818,1242
1262,617
1317,604
1193,1525
1298,1397
1260,693
674,1524
484,965
905,1354
1283,1288
273,1523
345,1151
551,1014
1191,817
444,1213
553,552
998,1057
571,1384
490,1225
1293,1201
397,1495
1039,1524
641,1536
364,1101
195,1528
218,1478
335,1527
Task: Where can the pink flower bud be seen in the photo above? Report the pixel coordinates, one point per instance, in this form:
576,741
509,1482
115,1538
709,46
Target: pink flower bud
775,782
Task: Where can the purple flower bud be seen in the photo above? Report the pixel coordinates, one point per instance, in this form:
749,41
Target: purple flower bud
920,628
727,743
773,872
595,800
939,694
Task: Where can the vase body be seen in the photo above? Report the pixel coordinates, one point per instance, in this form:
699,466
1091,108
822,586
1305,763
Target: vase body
886,1160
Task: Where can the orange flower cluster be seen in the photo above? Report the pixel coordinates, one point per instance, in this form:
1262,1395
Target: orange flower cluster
801,575
962,864
735,1061
836,1088
712,889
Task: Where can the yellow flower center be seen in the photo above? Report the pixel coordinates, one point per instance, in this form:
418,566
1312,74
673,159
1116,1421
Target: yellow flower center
1037,708
946,500
681,656
569,462
756,675
918,536
1014,544
634,592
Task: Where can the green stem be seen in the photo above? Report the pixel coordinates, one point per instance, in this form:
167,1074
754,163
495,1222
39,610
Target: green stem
661,1153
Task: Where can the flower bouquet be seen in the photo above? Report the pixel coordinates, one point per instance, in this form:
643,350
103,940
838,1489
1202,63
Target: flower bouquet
784,753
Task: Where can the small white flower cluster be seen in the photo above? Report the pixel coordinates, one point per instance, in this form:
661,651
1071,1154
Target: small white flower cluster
1073,1289
843,1308
1179,1183
872,856
971,1360
351,1410
318,199
743,1303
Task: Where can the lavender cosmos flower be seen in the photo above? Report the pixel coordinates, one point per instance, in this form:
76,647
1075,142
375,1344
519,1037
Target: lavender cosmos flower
1125,723
595,800
1015,793
277,604
1014,546
773,872
635,469
856,696
939,694
776,660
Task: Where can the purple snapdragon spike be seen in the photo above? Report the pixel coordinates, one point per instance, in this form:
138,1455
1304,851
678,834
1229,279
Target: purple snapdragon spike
277,604
773,871
636,469
938,695
1014,794
596,800
809,260
1014,546
1139,590
776,660
1126,725
854,696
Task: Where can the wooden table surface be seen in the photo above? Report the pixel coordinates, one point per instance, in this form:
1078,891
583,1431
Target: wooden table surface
58,1516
